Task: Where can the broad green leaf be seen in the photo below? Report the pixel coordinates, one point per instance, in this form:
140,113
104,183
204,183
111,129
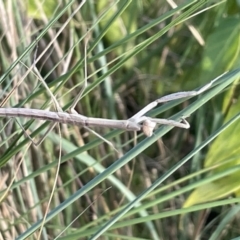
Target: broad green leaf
224,154
35,8
214,190
222,47
222,53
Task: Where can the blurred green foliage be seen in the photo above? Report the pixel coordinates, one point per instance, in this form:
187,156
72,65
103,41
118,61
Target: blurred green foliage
137,51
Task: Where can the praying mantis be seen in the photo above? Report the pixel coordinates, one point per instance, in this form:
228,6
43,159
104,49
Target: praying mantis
138,122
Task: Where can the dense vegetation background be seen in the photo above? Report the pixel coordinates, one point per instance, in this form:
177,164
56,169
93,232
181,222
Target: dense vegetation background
178,184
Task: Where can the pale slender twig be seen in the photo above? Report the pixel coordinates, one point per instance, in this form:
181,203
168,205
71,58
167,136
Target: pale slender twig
78,97
136,123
